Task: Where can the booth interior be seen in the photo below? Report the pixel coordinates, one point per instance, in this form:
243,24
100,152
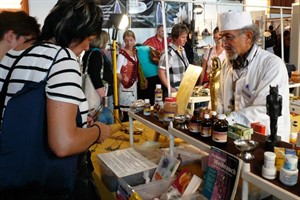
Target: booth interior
133,164
149,158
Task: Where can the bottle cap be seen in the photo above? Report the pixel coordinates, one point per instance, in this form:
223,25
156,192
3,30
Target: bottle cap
206,116
160,103
213,113
170,99
158,86
147,100
221,116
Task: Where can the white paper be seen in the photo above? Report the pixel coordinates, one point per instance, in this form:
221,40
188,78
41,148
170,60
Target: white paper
126,162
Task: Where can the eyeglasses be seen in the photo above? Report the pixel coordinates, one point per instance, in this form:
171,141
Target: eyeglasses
228,38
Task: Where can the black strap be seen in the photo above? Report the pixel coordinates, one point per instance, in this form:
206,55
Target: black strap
178,54
6,81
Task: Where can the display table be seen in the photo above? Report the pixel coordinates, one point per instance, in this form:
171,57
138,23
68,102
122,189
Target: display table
251,171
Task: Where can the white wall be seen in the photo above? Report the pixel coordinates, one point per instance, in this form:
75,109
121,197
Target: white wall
40,9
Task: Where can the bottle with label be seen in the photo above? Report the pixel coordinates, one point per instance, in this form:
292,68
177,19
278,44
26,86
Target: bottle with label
170,108
195,122
147,108
294,132
161,112
156,108
158,93
219,134
206,128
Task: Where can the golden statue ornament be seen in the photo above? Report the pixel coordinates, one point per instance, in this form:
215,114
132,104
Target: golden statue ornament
214,78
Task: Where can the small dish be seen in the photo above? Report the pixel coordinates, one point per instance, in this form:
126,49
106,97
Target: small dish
245,147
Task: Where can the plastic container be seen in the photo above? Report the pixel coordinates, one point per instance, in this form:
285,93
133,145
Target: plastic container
170,108
147,191
288,177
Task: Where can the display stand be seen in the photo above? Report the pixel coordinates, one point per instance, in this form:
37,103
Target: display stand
251,170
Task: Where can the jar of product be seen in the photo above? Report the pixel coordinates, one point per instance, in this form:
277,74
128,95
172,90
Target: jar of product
170,108
147,107
161,111
158,93
195,122
219,134
156,108
206,128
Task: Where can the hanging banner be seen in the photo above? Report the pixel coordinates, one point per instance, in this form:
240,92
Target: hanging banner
144,13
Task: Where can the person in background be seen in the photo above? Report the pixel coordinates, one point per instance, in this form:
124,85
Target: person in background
215,51
178,61
286,43
127,72
150,71
270,39
247,74
68,29
16,28
101,73
157,41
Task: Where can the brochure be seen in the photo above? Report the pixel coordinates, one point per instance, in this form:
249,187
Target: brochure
222,175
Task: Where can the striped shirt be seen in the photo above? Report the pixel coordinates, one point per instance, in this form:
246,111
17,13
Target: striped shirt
64,80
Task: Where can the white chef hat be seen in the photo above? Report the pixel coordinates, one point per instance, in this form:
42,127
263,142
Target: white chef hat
233,20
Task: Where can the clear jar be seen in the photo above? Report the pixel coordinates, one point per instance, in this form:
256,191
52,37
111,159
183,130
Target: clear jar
170,108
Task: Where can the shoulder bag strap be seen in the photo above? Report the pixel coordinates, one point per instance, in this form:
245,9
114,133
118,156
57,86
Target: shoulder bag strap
6,81
179,56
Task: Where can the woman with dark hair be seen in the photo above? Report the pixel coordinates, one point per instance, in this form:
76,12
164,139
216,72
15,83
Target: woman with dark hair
68,30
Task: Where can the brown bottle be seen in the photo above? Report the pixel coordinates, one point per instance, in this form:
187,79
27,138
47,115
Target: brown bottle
219,135
206,128
161,112
195,123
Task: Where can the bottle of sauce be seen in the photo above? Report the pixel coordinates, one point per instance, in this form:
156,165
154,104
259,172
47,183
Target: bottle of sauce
206,128
147,108
161,111
219,135
195,122
158,93
156,108
170,108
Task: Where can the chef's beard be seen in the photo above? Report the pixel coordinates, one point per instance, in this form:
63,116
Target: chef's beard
232,54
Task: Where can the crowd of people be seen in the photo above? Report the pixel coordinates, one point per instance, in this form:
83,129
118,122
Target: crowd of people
29,55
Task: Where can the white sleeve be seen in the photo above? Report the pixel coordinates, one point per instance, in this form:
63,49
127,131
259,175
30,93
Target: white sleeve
121,60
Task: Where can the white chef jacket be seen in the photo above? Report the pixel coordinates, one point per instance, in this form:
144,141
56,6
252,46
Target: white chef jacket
252,87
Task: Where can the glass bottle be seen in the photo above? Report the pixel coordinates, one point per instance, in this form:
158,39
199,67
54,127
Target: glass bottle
294,132
161,112
106,114
158,93
195,122
219,135
147,108
156,108
206,128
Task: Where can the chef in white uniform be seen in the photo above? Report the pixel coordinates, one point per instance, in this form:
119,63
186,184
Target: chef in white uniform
247,74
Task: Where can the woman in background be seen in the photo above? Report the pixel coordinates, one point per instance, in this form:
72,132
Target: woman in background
127,71
214,51
101,73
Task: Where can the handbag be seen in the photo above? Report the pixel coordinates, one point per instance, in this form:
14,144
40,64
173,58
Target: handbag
31,164
89,90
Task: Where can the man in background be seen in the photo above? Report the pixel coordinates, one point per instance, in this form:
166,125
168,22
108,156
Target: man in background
157,41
